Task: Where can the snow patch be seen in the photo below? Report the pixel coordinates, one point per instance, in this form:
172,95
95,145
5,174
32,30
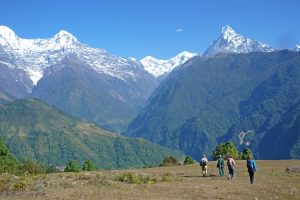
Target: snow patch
8,64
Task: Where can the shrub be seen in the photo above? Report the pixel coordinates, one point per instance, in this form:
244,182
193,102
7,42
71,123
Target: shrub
188,160
136,179
89,166
5,180
169,161
130,178
166,177
20,186
73,167
9,164
32,167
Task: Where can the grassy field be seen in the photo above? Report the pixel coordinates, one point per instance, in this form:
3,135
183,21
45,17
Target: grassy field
180,182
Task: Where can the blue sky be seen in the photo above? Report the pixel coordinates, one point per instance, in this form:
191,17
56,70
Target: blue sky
161,28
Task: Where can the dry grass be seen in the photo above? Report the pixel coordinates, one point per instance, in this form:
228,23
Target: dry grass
180,182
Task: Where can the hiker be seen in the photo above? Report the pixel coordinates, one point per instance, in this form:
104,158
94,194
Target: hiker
231,165
220,165
203,164
251,165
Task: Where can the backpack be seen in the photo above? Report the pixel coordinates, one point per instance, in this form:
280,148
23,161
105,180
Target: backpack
249,164
228,162
220,163
203,163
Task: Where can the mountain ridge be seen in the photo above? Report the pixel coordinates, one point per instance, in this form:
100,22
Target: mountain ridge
35,55
231,42
158,67
221,98
49,136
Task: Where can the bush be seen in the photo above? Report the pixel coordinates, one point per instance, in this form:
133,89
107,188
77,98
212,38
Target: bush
136,179
9,164
188,160
73,167
32,167
169,161
89,166
130,178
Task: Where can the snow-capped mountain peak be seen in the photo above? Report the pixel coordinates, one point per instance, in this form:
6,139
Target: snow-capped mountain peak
7,33
65,39
35,55
297,47
231,42
228,32
158,67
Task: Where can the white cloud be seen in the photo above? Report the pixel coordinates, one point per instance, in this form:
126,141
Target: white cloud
179,30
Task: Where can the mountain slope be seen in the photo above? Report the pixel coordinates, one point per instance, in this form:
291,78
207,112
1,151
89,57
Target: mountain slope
283,140
231,42
83,81
76,89
13,82
238,97
33,130
159,68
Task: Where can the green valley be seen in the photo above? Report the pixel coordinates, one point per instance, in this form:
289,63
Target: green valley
35,131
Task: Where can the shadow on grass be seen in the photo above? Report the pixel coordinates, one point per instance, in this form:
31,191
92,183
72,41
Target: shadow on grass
200,176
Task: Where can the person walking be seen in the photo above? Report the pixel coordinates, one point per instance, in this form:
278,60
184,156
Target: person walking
220,165
203,164
231,167
251,166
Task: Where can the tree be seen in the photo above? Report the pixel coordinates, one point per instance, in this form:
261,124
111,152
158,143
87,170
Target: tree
8,163
226,149
246,152
89,166
73,167
188,160
3,149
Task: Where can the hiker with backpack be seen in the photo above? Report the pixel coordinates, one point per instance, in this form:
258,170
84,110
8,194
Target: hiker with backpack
251,166
203,164
231,167
220,165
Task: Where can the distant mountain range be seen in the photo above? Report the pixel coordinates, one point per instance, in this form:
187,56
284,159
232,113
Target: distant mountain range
190,102
159,68
250,98
86,82
33,130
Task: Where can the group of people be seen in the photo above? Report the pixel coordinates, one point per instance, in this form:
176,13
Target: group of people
231,165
